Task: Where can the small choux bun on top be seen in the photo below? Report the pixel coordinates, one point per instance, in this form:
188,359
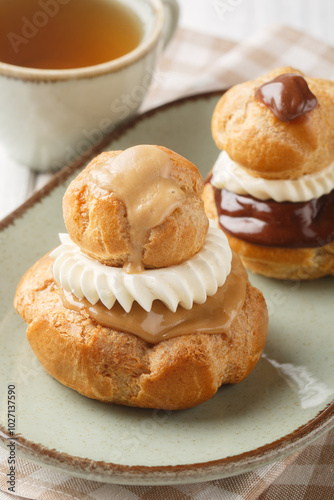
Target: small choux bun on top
111,227
144,303
272,187
271,147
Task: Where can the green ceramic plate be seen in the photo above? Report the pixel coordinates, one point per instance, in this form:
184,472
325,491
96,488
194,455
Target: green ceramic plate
284,404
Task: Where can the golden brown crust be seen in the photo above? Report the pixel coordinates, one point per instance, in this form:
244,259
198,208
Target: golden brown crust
252,135
281,263
98,222
118,367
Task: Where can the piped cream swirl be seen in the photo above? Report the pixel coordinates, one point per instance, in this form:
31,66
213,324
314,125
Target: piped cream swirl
227,174
187,283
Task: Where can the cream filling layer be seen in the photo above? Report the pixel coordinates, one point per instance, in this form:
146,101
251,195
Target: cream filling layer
187,283
227,174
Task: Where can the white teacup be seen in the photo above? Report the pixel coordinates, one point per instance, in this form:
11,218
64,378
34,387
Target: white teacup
48,117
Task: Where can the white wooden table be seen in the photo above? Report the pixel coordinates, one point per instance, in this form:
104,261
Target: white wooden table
231,19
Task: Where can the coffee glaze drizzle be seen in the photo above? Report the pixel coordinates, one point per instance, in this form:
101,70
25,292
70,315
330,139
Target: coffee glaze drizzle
288,96
215,316
140,178
268,223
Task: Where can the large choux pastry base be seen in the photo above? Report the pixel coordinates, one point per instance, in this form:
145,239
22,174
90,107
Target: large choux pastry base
118,367
280,263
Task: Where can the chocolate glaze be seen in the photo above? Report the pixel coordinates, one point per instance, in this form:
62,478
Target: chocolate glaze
287,96
269,223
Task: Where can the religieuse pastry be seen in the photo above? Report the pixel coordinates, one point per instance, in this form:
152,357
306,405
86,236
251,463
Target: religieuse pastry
143,303
272,187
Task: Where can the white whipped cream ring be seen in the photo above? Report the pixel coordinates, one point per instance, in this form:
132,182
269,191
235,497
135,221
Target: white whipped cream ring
184,284
230,175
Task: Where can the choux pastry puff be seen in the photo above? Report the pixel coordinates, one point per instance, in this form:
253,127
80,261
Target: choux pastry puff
271,189
143,304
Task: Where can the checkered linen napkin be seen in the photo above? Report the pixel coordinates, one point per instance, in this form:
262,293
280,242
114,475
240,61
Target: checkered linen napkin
195,63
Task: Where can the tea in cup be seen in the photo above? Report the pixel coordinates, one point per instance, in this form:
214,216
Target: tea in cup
72,70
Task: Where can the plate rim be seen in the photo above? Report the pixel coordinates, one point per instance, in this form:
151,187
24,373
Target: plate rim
224,467
165,474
